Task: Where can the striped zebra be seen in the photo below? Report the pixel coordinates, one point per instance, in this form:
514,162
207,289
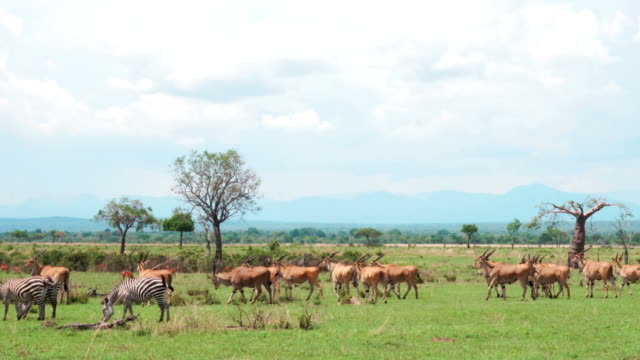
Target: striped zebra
50,297
139,290
23,292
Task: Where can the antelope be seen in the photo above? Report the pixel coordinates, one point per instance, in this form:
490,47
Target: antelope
248,276
167,275
546,274
4,267
507,274
140,289
487,269
126,275
595,270
17,270
341,274
370,276
628,273
274,269
292,274
397,274
58,273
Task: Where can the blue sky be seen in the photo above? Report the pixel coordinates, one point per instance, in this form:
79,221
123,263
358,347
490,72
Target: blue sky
324,98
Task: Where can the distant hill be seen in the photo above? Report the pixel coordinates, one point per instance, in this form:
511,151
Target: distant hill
377,208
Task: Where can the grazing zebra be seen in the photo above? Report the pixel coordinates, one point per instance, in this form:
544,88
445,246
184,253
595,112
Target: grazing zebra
140,290
23,292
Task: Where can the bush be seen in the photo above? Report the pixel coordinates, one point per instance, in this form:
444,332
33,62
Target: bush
305,321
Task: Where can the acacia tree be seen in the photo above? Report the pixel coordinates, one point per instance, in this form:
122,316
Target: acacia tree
577,210
124,215
469,230
180,221
513,228
219,186
370,234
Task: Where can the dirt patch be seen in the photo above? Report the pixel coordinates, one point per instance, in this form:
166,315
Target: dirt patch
441,339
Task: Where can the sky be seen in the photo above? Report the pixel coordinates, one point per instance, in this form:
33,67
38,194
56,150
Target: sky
320,98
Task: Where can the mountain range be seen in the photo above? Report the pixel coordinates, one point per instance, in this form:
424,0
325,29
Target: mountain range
368,208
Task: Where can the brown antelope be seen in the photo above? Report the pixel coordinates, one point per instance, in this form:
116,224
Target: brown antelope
546,274
59,273
292,274
370,276
628,273
487,269
595,270
275,283
394,275
167,275
341,274
509,273
126,275
247,276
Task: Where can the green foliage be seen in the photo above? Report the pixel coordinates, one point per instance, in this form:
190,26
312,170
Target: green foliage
180,221
126,214
370,234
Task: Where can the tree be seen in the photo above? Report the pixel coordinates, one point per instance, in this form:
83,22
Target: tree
180,221
622,225
20,234
577,210
368,233
219,186
124,215
513,228
469,230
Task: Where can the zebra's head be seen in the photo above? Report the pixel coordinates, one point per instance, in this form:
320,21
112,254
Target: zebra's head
107,309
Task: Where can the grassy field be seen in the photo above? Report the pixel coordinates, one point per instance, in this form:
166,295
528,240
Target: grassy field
451,320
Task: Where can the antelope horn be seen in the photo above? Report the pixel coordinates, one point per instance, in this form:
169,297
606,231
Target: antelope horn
379,257
281,257
484,253
333,254
249,259
540,260
38,254
490,253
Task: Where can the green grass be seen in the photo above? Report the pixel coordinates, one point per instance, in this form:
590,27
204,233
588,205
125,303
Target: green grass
401,329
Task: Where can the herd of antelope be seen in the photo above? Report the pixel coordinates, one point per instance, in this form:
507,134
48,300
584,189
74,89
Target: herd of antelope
370,279
372,276
534,273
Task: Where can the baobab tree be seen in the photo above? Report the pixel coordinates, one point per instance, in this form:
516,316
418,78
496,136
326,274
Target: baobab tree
581,211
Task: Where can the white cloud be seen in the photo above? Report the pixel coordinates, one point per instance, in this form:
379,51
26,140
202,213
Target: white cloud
297,122
617,26
140,85
636,37
452,60
557,31
10,22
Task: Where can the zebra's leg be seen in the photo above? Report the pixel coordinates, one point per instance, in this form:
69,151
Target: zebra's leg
41,306
6,309
126,304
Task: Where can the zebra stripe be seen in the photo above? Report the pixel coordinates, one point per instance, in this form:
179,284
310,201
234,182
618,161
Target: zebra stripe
139,290
23,292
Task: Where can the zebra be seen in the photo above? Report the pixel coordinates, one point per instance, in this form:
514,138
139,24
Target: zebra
50,296
23,292
139,290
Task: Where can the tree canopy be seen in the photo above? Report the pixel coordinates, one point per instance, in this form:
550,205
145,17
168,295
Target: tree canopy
181,221
370,234
124,215
513,228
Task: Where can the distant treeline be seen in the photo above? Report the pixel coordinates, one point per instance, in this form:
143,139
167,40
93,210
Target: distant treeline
310,235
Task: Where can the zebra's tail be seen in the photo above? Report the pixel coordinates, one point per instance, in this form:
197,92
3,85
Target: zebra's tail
166,284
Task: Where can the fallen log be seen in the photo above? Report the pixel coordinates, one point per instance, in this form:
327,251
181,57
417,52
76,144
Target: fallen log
100,325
